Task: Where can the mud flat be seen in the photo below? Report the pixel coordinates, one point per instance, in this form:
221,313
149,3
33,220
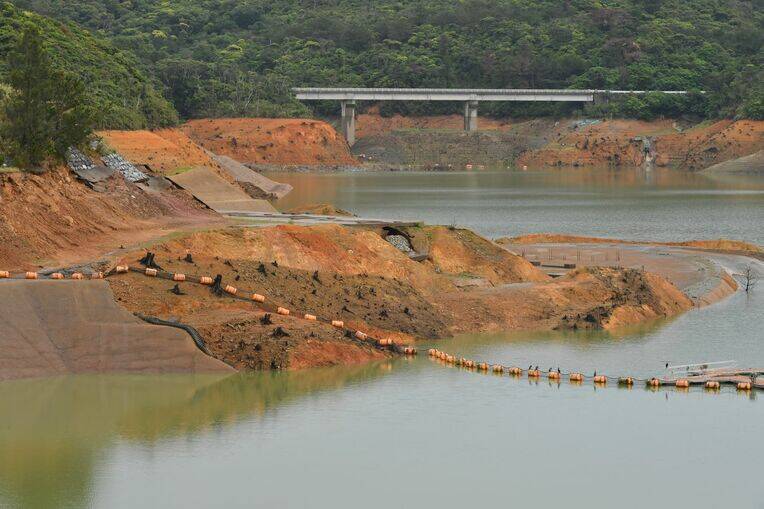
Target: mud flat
695,267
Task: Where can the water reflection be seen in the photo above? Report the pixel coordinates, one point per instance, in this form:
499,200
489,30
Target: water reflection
54,431
638,204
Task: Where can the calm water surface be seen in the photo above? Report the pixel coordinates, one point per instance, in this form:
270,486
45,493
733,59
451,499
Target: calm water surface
411,433
660,204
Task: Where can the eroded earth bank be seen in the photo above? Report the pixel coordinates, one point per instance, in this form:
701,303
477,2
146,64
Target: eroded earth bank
393,281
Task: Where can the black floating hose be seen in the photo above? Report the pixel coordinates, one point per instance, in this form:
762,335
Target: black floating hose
191,331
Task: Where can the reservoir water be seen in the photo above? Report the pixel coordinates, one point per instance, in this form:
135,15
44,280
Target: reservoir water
410,432
658,204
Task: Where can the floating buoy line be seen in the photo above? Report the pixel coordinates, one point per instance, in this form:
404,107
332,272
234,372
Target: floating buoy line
577,378
228,291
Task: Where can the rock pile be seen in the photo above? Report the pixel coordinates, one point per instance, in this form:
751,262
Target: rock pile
125,167
400,242
77,161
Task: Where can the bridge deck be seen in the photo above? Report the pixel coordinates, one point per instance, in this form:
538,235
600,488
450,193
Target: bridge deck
466,94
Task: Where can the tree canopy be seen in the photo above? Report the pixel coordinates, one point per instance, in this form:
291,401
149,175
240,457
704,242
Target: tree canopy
240,57
45,113
124,95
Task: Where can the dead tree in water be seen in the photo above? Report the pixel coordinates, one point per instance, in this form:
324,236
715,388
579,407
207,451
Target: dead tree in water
750,278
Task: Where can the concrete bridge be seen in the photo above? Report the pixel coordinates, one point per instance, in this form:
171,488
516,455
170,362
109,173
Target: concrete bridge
470,98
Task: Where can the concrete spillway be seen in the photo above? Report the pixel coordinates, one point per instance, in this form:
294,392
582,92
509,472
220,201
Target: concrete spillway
62,327
218,194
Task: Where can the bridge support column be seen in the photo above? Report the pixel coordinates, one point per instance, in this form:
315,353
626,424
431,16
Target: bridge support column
348,121
470,116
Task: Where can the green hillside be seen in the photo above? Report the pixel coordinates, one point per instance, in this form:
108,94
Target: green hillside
240,57
123,95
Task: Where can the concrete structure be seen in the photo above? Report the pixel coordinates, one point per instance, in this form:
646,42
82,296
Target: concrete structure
470,98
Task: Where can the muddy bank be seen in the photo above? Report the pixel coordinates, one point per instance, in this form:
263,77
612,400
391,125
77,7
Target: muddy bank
439,141
716,245
692,266
354,275
53,219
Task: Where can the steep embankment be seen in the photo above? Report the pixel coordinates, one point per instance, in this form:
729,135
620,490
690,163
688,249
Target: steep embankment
431,141
747,165
55,218
64,327
163,151
272,141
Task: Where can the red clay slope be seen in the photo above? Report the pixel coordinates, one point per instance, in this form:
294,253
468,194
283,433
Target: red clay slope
271,141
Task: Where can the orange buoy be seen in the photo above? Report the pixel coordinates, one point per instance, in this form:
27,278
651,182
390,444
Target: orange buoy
682,383
206,280
515,371
712,384
576,377
431,352
151,272
361,335
744,386
654,382
57,275
338,323
230,289
4,274
483,366
312,318
600,379
497,368
471,364
553,375
534,373
30,275
282,311
260,298
121,269
77,275
178,277
627,380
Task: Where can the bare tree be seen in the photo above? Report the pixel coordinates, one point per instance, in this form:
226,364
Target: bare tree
750,278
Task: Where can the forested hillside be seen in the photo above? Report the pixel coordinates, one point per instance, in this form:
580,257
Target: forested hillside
117,89
240,57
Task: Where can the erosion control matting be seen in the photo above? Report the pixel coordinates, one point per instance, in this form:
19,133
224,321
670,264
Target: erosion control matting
249,176
216,193
62,327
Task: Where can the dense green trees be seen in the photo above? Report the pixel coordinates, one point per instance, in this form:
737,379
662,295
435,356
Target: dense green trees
45,112
117,88
240,57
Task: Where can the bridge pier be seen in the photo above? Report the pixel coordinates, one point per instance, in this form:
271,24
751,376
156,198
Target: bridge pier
470,116
348,121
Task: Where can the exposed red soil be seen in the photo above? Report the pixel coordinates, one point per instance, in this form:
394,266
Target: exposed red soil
321,209
54,219
617,142
164,151
353,275
722,245
592,297
272,141
705,145
458,251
